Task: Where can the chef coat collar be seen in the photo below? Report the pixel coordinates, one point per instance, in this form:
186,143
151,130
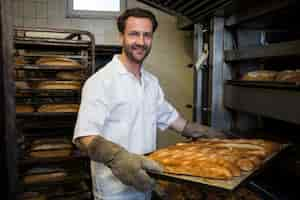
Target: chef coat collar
121,68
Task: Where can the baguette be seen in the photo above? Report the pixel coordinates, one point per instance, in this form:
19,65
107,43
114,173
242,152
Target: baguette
24,109
50,146
288,76
19,60
42,178
57,61
51,153
260,75
58,108
70,75
59,85
22,85
50,141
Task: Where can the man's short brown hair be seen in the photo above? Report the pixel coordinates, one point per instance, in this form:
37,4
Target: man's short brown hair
136,12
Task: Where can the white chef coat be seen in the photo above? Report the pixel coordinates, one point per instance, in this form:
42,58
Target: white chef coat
126,111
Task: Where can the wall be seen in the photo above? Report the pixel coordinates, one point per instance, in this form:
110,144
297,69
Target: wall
171,52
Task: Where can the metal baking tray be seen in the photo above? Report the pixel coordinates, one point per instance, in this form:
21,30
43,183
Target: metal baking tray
229,185
50,67
266,84
73,157
46,114
48,92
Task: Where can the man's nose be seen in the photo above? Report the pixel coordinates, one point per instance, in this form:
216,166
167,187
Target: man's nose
141,40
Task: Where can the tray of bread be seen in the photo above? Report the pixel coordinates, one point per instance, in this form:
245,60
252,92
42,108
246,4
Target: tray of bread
47,110
49,63
222,163
287,79
290,76
265,84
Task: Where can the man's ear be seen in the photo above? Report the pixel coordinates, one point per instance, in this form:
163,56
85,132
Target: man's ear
121,38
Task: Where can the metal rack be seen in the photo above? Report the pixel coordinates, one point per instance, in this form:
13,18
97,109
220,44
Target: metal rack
31,44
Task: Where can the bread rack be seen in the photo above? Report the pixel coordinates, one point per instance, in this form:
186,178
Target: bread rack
31,44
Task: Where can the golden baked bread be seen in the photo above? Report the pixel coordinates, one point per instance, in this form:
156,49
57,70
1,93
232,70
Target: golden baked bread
260,75
59,85
57,61
58,108
76,76
46,177
214,158
20,85
19,60
24,109
51,153
59,142
23,85
288,76
50,147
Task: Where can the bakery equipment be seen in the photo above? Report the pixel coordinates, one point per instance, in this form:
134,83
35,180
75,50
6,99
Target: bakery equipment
245,37
50,69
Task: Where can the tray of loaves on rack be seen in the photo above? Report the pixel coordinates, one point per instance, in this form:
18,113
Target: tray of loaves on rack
221,163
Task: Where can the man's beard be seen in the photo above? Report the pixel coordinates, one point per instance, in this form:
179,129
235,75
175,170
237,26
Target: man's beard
128,49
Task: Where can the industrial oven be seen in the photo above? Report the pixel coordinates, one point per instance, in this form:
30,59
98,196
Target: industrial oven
241,38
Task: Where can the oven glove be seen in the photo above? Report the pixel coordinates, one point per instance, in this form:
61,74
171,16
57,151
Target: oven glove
128,167
195,130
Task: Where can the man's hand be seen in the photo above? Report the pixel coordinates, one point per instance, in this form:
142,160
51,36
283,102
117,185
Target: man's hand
195,130
128,167
131,170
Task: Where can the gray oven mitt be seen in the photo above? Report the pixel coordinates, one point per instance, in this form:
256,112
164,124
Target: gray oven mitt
128,167
195,130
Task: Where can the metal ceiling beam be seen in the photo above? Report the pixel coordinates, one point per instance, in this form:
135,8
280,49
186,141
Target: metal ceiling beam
198,8
209,9
158,6
195,8
183,22
188,4
176,4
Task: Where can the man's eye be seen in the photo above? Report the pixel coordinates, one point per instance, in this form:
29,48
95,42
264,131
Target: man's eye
133,34
148,35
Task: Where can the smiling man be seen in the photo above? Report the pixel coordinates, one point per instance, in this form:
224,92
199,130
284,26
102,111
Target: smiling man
136,40
122,105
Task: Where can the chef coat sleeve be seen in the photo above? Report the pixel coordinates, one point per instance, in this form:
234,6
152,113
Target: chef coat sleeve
93,110
166,113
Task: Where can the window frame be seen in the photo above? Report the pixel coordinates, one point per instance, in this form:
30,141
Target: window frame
93,14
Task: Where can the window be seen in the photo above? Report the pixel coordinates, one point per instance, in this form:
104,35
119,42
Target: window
95,8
